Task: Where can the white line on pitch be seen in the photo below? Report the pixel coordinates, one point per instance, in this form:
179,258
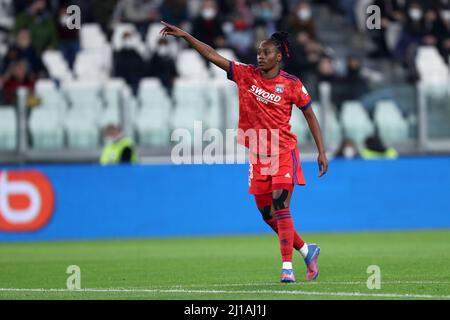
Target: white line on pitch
281,292
311,283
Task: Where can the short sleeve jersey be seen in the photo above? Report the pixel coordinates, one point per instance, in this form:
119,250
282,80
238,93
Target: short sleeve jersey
265,108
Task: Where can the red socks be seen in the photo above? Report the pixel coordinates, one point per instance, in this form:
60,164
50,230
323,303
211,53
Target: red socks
286,232
298,241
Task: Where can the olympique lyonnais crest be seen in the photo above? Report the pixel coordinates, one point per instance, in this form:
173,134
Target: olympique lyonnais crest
279,88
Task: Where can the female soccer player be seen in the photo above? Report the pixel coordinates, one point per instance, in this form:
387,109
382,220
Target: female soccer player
266,96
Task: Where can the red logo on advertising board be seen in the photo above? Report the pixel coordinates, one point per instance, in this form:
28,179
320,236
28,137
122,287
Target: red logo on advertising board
26,200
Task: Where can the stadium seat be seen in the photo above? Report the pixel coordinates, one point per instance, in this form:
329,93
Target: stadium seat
112,90
356,122
218,72
151,93
93,65
151,120
299,126
130,107
190,105
82,94
50,95
43,85
433,70
92,37
8,128
191,96
230,100
390,122
46,128
214,106
434,88
190,90
110,115
333,130
153,35
152,125
56,65
190,65
82,129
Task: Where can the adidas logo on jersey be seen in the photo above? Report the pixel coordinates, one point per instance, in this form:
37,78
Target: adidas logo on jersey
264,95
287,175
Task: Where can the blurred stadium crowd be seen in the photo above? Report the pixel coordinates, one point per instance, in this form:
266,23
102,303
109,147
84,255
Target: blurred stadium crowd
119,40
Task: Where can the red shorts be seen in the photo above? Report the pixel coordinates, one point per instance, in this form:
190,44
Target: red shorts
278,172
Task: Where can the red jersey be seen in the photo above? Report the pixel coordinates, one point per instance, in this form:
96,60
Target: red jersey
265,108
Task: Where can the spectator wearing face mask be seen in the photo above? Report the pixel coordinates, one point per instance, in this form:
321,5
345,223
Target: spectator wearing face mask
118,149
239,32
22,50
138,12
128,63
267,13
301,20
174,11
240,38
38,19
306,54
347,150
412,33
415,33
207,27
393,17
162,66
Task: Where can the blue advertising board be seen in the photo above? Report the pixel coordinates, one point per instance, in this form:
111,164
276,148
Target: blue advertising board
94,202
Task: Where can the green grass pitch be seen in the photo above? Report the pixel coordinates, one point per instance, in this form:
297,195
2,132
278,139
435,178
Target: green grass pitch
414,265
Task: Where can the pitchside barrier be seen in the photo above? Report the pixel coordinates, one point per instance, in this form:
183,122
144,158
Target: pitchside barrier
61,202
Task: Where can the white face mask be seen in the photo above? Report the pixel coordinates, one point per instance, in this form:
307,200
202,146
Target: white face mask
63,19
304,14
349,152
209,13
163,50
128,43
445,14
109,140
415,14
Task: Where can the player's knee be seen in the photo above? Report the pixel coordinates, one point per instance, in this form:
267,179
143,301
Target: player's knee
265,212
264,205
279,198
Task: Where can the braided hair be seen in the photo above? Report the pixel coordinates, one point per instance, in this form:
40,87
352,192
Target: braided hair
280,40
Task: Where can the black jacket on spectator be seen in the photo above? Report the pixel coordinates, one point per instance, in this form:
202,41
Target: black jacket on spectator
129,65
163,67
29,55
207,30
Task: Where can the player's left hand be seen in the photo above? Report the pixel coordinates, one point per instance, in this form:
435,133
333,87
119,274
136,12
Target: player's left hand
323,164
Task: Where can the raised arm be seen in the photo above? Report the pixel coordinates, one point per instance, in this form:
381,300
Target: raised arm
205,50
317,135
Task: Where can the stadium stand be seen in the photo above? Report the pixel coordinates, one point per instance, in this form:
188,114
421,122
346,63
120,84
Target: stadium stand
111,74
